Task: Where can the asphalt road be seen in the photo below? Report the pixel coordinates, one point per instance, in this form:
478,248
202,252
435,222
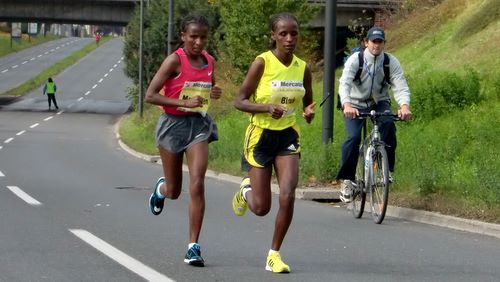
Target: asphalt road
73,207
18,67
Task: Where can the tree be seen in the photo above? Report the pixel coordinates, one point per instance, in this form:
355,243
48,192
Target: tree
155,36
245,26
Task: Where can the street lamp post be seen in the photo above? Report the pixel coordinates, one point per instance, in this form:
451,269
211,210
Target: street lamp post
141,63
329,69
170,34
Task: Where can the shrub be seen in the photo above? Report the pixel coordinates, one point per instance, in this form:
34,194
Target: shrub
441,92
155,36
245,26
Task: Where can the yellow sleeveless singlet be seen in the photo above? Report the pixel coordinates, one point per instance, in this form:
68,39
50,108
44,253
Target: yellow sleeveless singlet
280,85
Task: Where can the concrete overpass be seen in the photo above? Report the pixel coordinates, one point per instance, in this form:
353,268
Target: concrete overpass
96,12
118,12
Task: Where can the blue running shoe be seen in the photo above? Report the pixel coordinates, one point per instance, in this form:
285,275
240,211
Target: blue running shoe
155,202
193,256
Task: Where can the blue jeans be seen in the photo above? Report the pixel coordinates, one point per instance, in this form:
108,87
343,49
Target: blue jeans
350,148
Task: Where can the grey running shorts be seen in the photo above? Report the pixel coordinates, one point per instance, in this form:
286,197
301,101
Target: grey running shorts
176,133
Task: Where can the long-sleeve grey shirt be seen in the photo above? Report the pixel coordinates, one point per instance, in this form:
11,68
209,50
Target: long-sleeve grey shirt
370,90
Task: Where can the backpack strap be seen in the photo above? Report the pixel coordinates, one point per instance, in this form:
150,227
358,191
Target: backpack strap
357,76
387,72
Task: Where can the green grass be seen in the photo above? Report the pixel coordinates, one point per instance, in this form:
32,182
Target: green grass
24,43
447,160
51,71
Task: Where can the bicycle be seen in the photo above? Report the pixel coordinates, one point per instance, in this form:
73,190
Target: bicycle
372,171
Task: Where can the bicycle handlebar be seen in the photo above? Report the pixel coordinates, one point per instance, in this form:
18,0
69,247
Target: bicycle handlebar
374,114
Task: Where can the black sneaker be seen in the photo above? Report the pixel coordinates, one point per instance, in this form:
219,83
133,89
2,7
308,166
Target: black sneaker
193,256
155,202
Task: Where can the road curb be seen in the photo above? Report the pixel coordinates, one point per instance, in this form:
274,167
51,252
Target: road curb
331,193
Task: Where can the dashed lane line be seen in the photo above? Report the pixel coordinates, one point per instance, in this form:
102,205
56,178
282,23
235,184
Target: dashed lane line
24,196
120,257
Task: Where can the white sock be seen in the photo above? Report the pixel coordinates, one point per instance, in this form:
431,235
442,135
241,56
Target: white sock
271,251
245,191
190,245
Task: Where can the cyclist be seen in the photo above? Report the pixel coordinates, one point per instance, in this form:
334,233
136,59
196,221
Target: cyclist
371,92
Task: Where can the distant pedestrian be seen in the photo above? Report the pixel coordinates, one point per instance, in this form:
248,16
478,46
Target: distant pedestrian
50,89
97,38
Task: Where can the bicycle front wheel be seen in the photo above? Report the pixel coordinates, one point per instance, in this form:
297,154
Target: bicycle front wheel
379,192
359,194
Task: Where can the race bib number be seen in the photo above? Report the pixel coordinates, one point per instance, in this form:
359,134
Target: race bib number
287,93
196,88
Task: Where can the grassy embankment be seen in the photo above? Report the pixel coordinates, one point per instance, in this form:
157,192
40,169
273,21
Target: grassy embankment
447,157
51,71
24,43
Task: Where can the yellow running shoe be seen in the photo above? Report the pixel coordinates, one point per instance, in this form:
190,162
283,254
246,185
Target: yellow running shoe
276,264
240,206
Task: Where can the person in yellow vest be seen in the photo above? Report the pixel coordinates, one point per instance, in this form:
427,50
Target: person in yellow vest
276,86
50,89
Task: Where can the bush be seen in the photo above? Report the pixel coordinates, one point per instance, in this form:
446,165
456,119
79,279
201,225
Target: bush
155,36
245,26
447,158
441,92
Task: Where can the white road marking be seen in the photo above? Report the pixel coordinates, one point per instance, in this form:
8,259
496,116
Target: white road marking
100,80
87,93
34,125
60,112
47,118
1,174
32,59
25,197
20,132
8,140
120,257
1,147
4,71
115,65
106,75
24,62
110,70
39,56
15,66
95,85
79,99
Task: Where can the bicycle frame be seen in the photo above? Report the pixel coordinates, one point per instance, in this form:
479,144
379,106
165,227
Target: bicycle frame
374,160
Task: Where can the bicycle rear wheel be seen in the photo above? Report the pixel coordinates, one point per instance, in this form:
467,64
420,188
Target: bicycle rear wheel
359,194
379,192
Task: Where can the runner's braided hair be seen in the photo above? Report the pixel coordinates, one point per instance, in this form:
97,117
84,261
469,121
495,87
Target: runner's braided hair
285,16
186,21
